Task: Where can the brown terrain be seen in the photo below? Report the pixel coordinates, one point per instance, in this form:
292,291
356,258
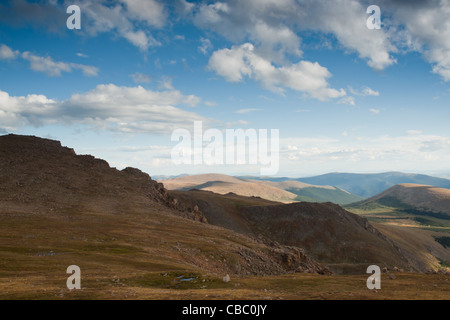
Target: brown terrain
223,184
134,239
421,197
342,241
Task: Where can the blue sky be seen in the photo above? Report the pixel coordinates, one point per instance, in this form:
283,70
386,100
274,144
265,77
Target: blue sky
344,98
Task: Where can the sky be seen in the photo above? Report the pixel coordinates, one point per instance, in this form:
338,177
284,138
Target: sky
343,97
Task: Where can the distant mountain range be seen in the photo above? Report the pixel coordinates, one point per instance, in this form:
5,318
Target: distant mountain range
280,191
368,185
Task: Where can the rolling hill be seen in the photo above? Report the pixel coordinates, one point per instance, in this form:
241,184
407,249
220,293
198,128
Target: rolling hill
416,216
421,197
280,191
415,199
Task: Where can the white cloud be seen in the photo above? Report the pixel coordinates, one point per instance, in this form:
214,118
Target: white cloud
165,83
248,110
54,68
6,53
364,92
369,92
205,46
347,100
274,26
242,61
122,16
375,111
383,153
150,11
108,107
427,30
210,103
46,64
140,77
413,132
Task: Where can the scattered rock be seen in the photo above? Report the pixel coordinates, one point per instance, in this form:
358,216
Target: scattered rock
226,278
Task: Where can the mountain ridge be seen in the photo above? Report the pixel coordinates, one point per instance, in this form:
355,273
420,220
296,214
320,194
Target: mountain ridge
281,191
55,201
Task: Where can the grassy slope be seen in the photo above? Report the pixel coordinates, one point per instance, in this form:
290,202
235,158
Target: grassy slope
312,194
131,256
411,230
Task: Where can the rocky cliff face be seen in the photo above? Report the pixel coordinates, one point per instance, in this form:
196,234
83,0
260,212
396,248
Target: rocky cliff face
46,176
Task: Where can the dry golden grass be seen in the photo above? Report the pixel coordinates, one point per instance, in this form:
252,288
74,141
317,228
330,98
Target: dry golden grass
287,287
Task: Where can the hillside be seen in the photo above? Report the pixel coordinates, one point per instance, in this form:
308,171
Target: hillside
224,184
311,193
344,242
422,204
281,191
427,199
415,216
58,209
133,239
369,185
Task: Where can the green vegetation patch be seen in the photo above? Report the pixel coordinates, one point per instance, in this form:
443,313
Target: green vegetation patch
312,194
444,263
444,241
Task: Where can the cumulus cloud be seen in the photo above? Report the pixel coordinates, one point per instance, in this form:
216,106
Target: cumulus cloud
129,19
133,20
274,26
242,61
110,107
425,27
